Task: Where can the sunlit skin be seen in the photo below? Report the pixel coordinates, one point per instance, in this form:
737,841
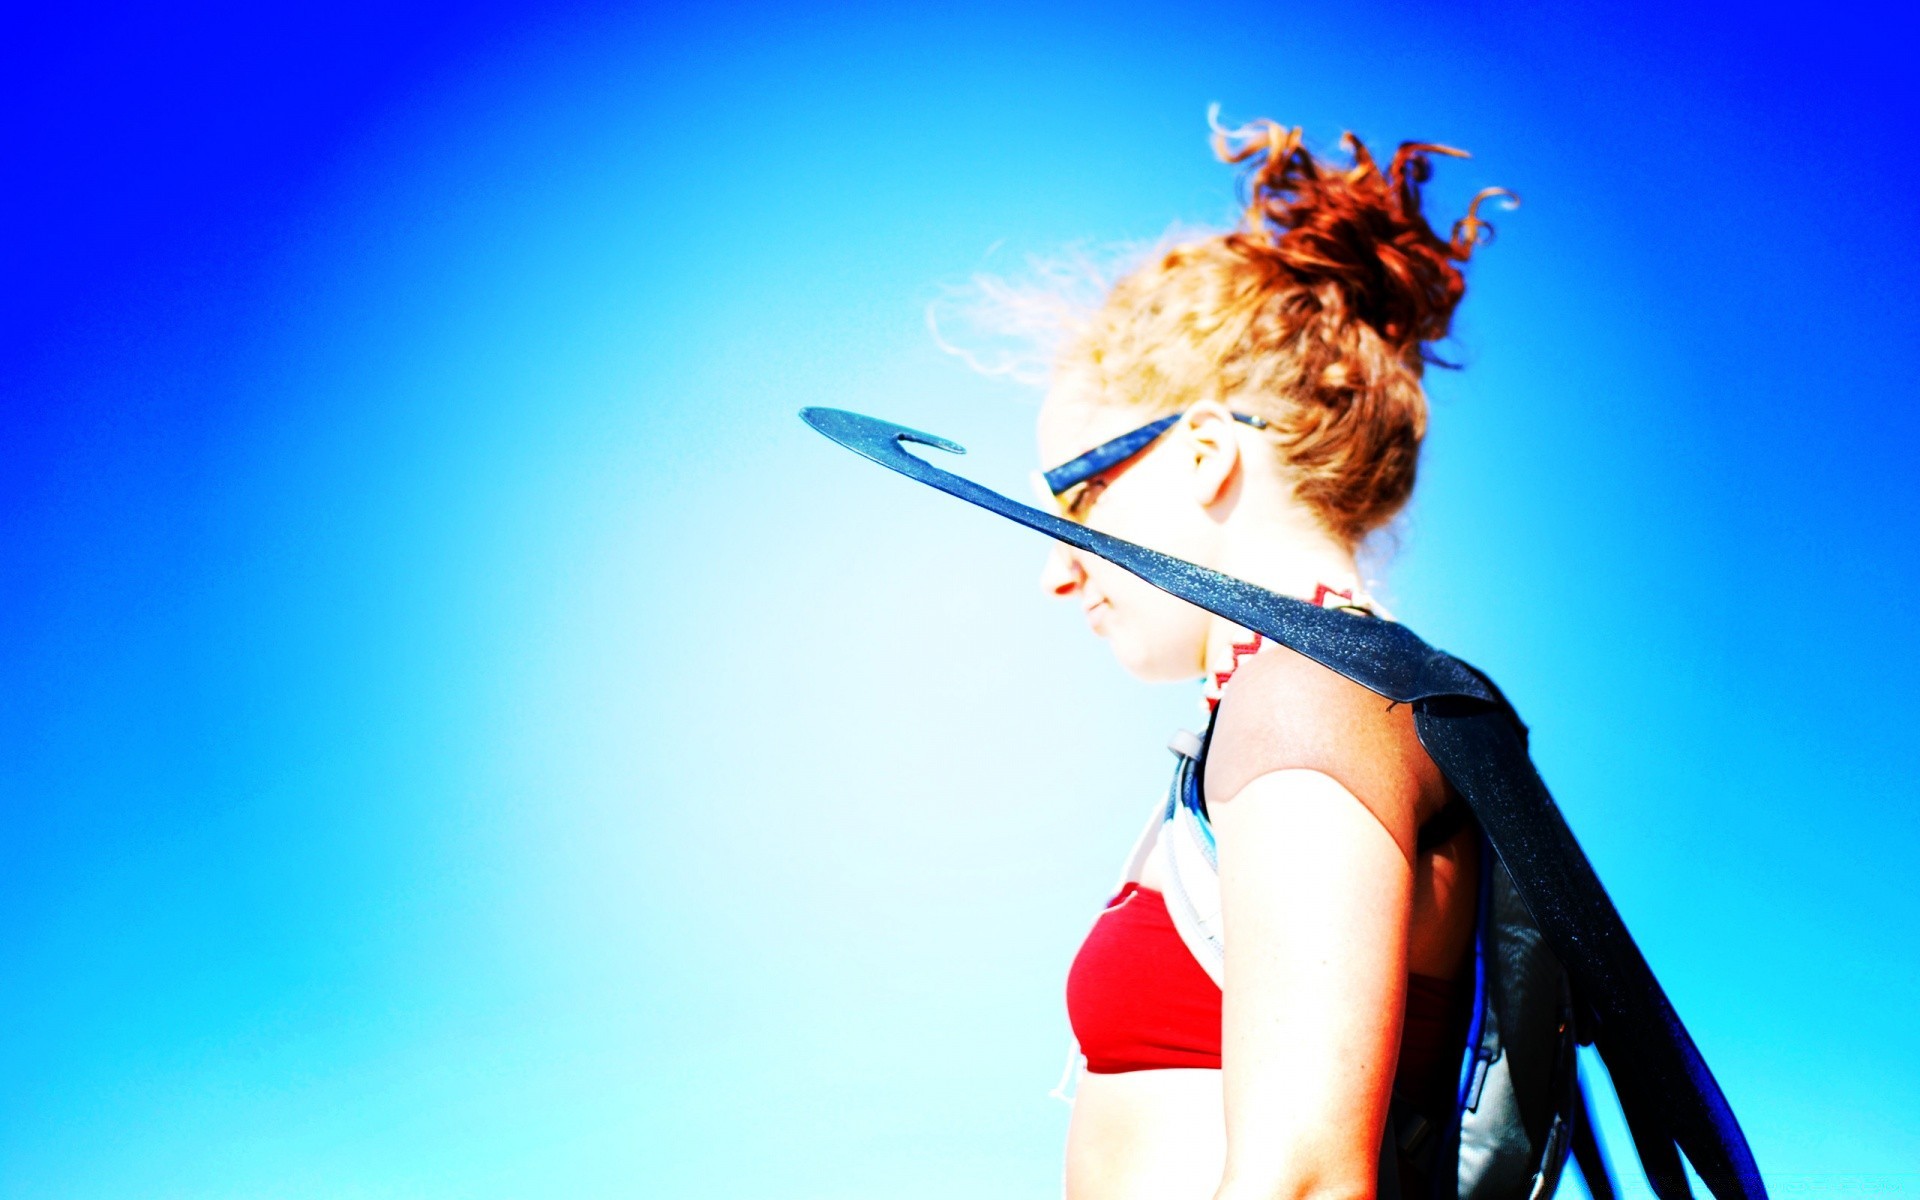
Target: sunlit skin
1326,906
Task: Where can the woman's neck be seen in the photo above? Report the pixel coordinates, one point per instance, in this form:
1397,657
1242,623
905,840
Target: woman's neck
1302,563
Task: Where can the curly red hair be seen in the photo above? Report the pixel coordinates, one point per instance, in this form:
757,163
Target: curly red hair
1317,313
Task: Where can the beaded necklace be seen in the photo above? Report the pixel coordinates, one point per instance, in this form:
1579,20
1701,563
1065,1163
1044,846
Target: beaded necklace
1353,600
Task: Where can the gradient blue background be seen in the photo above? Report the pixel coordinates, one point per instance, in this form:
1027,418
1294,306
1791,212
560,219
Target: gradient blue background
460,734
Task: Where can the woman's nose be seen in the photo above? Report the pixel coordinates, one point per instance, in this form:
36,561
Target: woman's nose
1063,574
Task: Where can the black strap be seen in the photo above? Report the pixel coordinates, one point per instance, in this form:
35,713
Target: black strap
1441,826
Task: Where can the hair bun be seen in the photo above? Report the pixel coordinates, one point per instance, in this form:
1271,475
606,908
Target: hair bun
1356,239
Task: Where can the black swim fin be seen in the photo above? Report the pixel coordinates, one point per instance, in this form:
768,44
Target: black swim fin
1671,1101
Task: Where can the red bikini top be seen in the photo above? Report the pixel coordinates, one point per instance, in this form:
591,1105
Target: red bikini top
1139,1001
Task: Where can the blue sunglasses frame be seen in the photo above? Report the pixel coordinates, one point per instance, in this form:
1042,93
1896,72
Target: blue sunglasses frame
1118,450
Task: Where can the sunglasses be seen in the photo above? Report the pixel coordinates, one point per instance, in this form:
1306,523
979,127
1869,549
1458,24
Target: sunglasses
1110,454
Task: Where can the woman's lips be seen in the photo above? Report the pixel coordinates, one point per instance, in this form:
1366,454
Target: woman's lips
1097,616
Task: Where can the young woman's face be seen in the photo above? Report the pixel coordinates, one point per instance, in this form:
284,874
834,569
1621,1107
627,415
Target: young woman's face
1149,499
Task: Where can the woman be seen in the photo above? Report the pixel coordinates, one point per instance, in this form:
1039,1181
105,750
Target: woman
1240,414
1272,379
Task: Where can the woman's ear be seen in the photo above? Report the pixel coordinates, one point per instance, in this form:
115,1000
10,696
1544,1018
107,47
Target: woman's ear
1213,449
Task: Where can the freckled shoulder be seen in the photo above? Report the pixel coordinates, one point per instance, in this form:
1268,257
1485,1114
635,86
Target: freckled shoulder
1282,710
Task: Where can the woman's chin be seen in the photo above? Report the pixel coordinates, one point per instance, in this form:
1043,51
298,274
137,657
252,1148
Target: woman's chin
1148,664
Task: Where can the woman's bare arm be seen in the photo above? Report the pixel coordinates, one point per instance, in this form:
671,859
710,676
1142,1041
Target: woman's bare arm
1316,788
1315,896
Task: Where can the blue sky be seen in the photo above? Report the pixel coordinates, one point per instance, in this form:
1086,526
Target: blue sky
461,735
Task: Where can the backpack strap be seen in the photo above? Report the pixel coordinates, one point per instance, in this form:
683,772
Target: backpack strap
1438,829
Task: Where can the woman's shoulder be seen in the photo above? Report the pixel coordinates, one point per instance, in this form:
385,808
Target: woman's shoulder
1281,710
